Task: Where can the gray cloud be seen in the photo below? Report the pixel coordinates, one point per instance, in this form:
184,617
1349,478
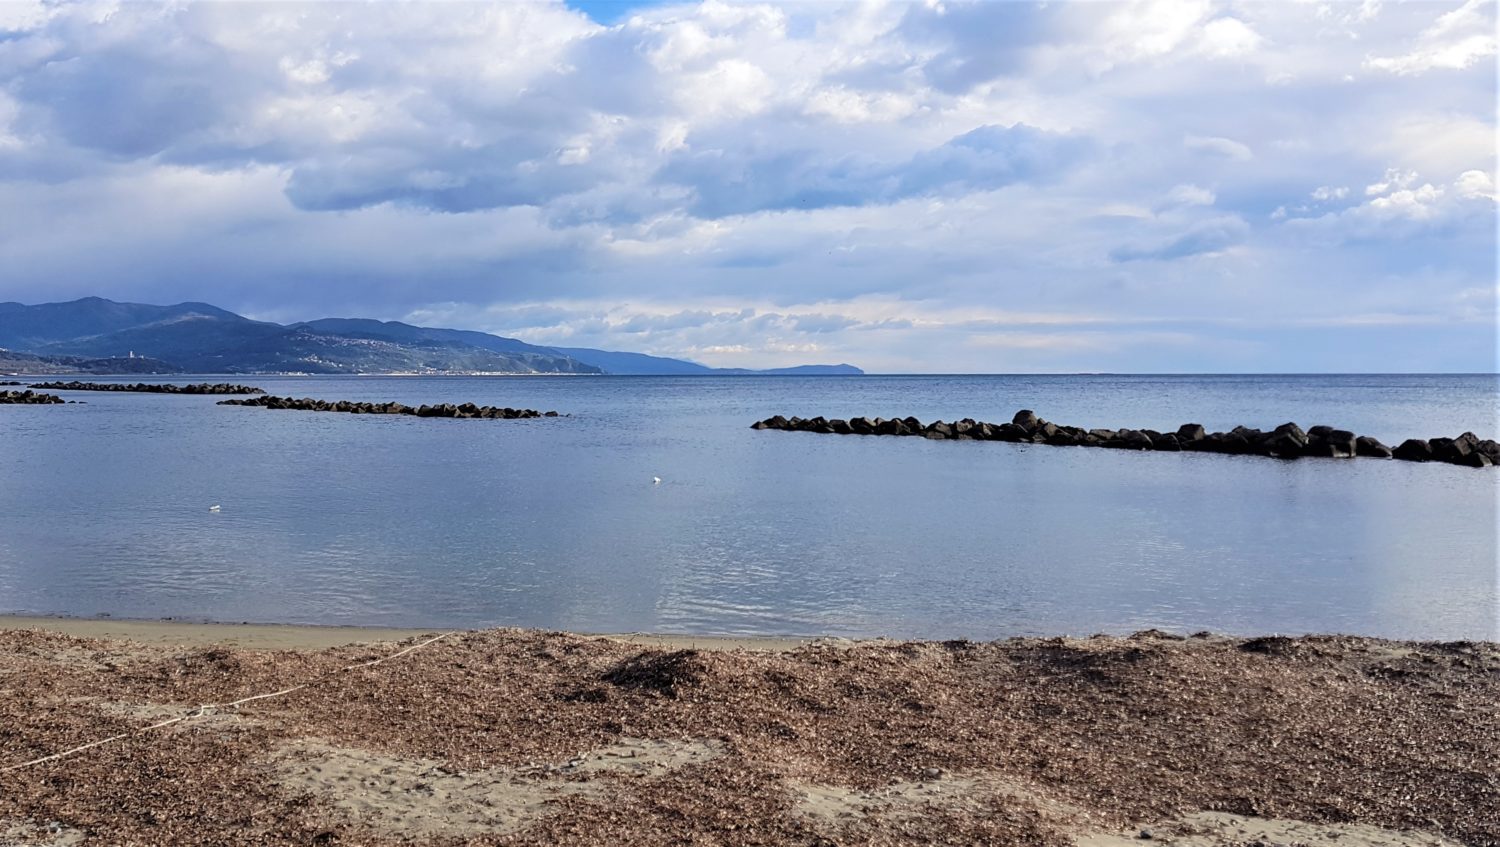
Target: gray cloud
1207,237
983,159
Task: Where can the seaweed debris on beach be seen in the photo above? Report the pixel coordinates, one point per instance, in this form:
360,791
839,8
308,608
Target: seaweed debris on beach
524,737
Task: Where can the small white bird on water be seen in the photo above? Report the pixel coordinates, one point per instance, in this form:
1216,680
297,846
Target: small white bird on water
215,508
656,480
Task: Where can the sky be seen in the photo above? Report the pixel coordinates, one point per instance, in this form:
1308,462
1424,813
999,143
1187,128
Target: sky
940,187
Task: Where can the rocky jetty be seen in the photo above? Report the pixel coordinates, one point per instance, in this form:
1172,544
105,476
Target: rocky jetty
28,398
1288,441
442,410
151,388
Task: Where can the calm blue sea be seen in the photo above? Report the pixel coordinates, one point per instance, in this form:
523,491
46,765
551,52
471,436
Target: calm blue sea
342,519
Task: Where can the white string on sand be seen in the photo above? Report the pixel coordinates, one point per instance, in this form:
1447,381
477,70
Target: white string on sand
204,711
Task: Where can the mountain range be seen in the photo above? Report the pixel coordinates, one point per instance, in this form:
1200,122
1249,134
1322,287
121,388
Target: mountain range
95,335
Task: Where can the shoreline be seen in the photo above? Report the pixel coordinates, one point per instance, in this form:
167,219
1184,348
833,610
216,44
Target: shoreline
312,637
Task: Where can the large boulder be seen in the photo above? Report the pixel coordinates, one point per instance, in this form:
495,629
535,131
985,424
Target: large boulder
1012,432
1233,443
1166,441
1026,419
1454,451
1367,445
1062,438
1292,432
1253,436
1413,450
1333,444
1190,432
938,429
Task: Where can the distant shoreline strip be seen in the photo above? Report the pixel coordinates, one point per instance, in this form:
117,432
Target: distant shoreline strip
151,387
442,410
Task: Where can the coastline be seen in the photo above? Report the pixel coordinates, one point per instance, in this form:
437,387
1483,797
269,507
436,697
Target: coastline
305,637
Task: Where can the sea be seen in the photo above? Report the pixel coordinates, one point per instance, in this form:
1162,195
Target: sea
560,523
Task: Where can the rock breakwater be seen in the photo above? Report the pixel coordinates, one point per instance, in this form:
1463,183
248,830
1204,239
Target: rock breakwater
28,398
1288,441
151,388
441,410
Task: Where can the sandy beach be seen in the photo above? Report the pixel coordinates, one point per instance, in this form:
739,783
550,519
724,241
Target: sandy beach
257,636
528,737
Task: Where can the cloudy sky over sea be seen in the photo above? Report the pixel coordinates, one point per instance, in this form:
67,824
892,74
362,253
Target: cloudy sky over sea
938,186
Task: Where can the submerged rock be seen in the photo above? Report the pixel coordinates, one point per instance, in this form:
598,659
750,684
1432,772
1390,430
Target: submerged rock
28,398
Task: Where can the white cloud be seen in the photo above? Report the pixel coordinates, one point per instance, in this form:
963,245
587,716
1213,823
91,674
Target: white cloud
1413,203
1141,29
1324,193
1394,178
1475,185
1228,37
1456,40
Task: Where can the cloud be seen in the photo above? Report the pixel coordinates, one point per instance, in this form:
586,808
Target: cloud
1416,204
1226,147
1394,178
1458,39
983,159
1207,237
1475,185
760,183
1190,195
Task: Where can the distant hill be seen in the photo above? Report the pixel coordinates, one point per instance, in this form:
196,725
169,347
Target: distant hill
640,364
198,338
634,364
93,333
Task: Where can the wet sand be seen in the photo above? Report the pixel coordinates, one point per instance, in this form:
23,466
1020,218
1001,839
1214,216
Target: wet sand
526,737
256,636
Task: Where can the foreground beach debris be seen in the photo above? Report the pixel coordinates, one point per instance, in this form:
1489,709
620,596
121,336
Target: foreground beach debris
1288,441
522,737
439,410
151,387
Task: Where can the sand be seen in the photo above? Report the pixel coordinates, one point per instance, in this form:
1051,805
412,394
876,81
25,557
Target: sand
524,737
256,636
